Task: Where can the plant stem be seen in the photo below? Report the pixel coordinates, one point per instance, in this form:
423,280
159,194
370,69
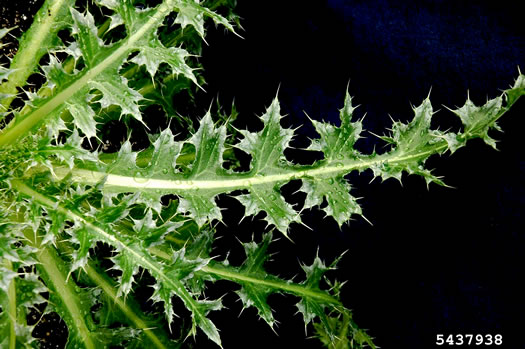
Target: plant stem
19,128
31,48
11,295
65,290
109,237
109,289
51,268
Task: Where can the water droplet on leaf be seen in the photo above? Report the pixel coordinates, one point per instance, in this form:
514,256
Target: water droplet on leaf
139,177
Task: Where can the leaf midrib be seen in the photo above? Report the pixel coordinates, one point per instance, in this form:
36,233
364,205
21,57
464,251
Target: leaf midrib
236,181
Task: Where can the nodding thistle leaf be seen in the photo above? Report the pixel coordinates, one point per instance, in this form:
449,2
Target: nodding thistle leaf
102,65
337,144
412,144
253,294
310,307
477,121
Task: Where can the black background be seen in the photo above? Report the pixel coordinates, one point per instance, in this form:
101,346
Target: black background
435,261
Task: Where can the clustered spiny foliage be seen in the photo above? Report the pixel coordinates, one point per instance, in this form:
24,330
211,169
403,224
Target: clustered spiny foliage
63,196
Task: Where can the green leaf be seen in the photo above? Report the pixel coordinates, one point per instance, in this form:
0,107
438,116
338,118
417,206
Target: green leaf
412,144
209,149
337,144
191,13
312,308
169,276
102,67
266,148
253,294
40,39
477,121
257,284
156,53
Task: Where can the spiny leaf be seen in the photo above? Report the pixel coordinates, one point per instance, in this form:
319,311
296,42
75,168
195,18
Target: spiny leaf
412,144
253,294
257,284
266,148
170,276
209,145
191,13
337,144
309,307
155,53
209,148
102,67
162,163
477,121
149,232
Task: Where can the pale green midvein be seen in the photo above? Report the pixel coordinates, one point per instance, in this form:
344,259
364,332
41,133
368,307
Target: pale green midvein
238,277
237,181
292,288
19,128
65,293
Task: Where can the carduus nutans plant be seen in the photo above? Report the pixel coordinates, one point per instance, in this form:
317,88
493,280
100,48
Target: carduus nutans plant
82,223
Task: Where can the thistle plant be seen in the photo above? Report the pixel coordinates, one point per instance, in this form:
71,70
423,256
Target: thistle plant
65,196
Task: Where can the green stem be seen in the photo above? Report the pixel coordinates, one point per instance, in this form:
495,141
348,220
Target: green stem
113,239
31,47
19,128
11,295
49,262
109,289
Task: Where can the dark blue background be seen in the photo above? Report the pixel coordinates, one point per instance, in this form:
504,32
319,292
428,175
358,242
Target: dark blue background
435,261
